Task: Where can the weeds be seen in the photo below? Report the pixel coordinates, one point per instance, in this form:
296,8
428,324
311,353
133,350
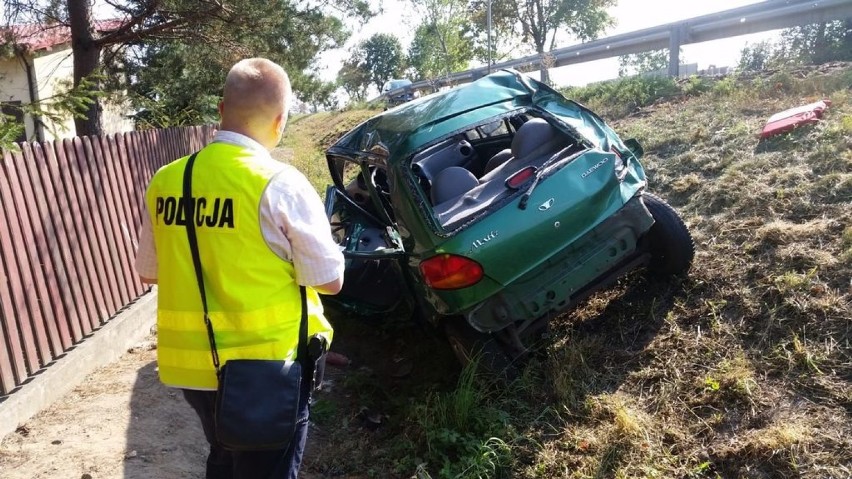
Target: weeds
462,429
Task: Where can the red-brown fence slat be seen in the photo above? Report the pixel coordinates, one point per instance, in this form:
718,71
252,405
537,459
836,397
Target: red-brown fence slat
199,137
153,151
66,237
94,206
179,147
133,171
144,160
108,197
30,315
181,139
10,291
182,144
41,211
126,225
169,143
89,280
68,322
158,144
164,140
143,165
7,372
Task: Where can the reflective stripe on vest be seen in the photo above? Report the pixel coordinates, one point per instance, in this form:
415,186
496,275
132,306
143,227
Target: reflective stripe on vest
252,295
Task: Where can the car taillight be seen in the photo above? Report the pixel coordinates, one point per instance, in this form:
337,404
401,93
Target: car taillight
520,178
449,271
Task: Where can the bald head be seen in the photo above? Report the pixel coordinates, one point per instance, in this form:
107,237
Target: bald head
255,100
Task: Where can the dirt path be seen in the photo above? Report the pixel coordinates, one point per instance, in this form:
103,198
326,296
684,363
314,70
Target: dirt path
121,422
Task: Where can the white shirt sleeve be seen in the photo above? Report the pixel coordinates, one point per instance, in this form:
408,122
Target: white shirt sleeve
146,254
294,225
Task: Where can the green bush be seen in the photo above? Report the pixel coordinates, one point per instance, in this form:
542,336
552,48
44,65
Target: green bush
618,98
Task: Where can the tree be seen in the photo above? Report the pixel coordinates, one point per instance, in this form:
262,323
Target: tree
174,84
504,39
382,58
318,93
645,62
541,20
443,43
816,43
288,32
807,44
354,78
755,57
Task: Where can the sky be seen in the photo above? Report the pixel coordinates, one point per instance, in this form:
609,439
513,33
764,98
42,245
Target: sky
630,15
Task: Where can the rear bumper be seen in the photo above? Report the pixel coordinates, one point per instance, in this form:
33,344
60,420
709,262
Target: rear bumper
560,281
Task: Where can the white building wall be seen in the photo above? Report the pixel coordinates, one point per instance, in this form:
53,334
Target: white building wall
55,75
15,87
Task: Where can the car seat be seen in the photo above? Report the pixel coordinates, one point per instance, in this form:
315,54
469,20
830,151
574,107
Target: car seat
451,183
533,136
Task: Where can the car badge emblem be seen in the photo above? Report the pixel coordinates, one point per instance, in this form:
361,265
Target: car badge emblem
546,205
481,242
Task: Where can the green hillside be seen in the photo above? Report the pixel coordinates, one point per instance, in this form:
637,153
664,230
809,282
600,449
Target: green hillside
744,369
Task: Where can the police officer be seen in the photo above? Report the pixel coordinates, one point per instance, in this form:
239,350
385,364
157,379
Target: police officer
261,232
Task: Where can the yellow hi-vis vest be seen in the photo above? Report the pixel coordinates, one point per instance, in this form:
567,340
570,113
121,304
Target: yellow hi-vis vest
252,295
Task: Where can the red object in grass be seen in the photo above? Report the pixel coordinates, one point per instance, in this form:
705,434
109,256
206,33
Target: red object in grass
794,117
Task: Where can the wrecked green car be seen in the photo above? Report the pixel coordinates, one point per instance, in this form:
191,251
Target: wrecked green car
491,207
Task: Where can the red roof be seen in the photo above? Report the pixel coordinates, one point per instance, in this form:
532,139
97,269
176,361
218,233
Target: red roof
35,37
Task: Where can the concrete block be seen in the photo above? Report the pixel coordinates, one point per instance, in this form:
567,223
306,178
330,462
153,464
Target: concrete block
103,347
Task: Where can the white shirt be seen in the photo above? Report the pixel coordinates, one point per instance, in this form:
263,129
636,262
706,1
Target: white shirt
292,220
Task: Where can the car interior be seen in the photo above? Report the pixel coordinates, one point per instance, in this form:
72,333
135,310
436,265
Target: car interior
465,174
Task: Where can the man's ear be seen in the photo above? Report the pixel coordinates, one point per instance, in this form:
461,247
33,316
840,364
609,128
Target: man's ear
221,108
281,120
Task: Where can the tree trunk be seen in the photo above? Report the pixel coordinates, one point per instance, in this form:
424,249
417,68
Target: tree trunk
87,57
544,63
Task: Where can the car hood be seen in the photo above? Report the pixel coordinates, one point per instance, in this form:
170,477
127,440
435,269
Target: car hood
397,133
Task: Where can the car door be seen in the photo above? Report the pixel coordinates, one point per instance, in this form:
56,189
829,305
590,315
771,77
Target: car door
362,225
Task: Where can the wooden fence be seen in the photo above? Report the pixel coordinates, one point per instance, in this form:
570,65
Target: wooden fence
70,213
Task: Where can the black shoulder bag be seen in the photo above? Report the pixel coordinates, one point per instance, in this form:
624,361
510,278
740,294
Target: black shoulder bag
257,401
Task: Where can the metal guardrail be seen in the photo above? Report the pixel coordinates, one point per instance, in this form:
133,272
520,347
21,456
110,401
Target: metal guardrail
758,17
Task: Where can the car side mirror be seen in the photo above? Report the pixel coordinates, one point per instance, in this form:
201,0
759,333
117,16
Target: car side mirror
633,145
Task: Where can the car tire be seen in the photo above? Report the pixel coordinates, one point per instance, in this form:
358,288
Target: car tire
469,344
668,241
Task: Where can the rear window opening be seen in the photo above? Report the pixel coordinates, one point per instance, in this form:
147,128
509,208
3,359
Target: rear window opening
466,175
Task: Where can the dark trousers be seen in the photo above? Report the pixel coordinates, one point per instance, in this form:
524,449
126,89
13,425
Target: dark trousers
275,464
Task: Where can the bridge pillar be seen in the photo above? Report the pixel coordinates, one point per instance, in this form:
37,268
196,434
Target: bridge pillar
675,38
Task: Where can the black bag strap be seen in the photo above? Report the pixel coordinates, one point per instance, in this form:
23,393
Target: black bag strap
189,208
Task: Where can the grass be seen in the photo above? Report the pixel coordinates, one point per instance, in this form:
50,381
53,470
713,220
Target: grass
307,137
743,369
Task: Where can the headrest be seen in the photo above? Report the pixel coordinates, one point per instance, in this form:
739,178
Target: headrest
450,183
502,157
531,135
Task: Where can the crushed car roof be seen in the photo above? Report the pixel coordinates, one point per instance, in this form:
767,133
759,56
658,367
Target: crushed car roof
398,132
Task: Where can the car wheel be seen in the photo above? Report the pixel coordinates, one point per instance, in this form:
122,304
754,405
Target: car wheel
669,242
471,345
